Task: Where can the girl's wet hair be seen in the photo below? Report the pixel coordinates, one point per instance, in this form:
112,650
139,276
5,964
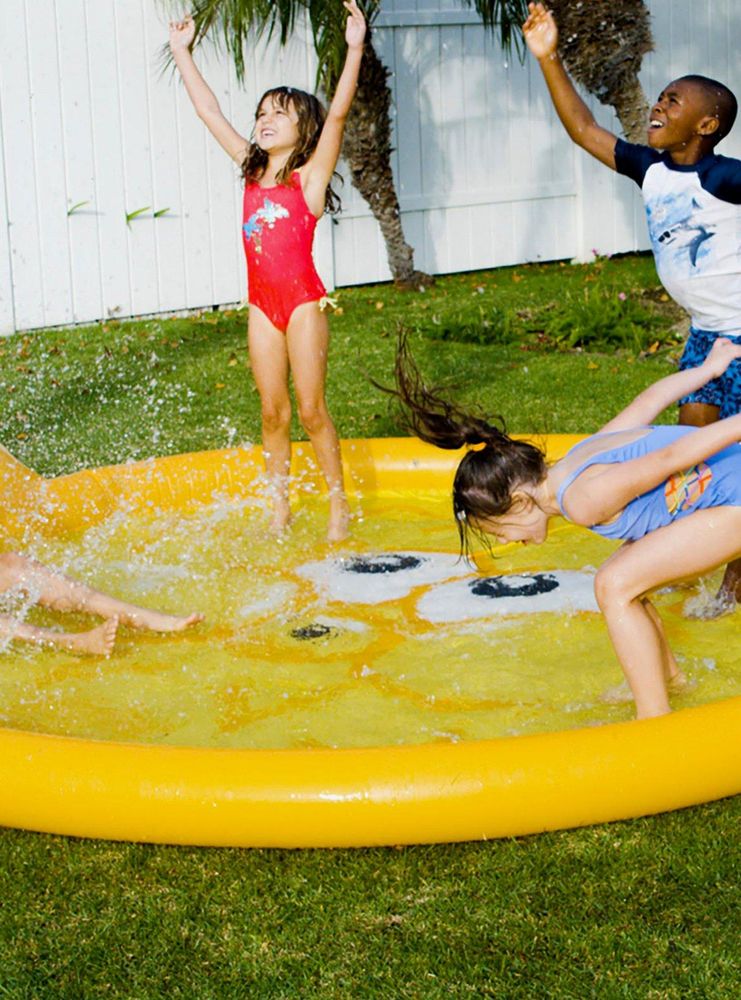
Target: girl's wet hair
311,116
721,102
488,476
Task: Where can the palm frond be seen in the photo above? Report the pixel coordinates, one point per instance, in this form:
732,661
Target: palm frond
231,24
327,19
507,16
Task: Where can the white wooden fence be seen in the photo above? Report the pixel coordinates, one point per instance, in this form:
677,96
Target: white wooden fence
115,202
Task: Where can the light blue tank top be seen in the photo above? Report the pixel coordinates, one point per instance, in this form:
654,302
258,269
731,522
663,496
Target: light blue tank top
716,482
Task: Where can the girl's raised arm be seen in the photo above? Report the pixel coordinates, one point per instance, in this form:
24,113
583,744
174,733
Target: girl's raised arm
317,173
202,97
652,401
605,495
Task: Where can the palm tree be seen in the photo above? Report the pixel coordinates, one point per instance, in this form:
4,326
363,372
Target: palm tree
367,142
602,46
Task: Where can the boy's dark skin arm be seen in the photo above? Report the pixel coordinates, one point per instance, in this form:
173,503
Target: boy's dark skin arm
681,123
541,35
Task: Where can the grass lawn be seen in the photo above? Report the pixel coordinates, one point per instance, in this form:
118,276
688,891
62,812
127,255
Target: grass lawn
641,909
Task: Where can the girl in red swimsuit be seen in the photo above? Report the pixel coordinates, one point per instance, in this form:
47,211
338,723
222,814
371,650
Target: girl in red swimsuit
287,169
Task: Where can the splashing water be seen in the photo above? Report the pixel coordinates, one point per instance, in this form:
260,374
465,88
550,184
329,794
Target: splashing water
390,639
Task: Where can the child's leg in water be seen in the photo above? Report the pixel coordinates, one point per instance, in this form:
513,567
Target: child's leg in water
97,641
308,346
269,361
686,548
674,679
60,593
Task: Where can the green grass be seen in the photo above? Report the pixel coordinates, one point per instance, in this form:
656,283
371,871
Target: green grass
641,909
631,910
121,391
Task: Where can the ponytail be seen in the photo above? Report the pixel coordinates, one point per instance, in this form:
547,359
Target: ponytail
487,477
432,418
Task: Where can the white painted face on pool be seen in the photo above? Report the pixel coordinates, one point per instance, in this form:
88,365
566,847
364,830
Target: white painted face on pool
373,578
561,591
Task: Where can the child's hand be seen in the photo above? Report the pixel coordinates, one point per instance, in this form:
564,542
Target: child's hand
540,31
355,29
182,33
721,354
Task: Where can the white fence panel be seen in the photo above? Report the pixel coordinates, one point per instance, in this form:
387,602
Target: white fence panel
83,297
7,307
23,216
92,130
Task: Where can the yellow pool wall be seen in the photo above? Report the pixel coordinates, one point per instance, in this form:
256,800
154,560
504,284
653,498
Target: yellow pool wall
334,798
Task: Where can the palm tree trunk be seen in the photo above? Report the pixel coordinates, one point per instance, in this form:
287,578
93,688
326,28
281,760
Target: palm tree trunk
367,152
631,108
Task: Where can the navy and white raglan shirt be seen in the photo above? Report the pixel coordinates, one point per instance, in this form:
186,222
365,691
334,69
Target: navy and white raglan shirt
694,221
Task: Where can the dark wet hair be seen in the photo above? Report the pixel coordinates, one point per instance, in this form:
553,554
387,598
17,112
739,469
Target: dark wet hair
311,116
721,103
486,477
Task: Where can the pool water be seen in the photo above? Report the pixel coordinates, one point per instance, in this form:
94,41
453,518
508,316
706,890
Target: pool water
387,639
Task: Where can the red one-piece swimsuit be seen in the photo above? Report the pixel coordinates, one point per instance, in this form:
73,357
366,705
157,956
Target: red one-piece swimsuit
278,231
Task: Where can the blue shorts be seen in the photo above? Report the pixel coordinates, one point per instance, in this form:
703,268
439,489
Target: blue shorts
723,392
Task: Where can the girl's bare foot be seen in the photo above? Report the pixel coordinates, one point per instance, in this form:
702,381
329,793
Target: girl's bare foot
158,621
339,519
281,518
97,642
679,682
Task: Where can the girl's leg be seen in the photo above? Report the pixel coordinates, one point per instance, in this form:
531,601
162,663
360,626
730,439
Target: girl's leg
674,679
98,641
687,548
308,345
60,593
269,360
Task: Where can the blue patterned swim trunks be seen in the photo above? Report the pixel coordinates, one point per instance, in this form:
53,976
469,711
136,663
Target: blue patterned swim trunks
723,392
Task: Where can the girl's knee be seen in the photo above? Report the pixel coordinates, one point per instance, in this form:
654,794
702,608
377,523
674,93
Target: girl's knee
314,417
611,589
275,417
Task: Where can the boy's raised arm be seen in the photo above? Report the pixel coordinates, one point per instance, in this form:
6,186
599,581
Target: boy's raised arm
541,35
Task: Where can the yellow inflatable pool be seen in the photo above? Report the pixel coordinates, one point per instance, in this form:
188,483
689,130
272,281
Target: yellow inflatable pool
434,792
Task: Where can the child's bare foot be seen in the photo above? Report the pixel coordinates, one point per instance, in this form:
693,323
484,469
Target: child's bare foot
679,683
281,518
339,519
97,642
158,621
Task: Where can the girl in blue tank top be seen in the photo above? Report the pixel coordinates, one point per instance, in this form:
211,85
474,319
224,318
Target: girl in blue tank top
673,494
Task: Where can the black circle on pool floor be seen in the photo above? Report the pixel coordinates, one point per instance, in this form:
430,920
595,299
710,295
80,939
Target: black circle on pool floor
519,586
389,562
